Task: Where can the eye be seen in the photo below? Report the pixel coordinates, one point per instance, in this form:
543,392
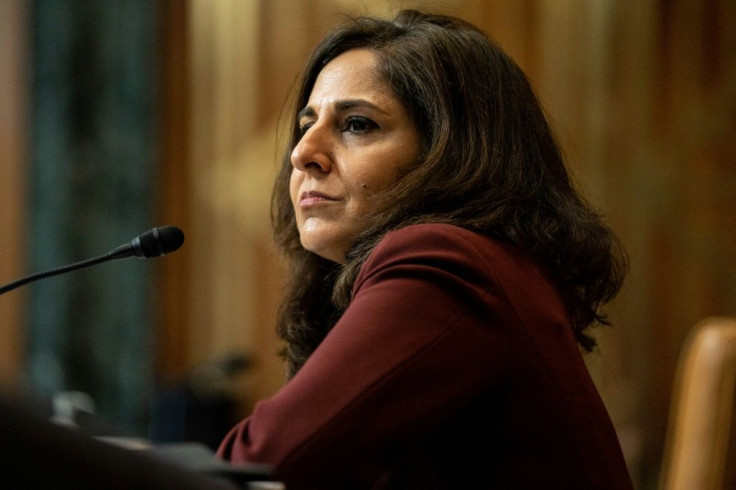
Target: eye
304,127
359,124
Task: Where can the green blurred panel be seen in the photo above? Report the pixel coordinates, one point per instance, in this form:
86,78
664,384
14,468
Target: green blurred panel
91,189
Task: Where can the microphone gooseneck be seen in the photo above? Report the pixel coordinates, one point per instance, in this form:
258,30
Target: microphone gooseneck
153,243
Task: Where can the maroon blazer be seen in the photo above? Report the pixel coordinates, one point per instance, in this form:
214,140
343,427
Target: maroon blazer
455,366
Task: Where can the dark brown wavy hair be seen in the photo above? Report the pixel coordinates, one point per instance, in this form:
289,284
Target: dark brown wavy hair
489,163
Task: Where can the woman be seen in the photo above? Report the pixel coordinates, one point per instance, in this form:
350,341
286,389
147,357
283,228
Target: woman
444,274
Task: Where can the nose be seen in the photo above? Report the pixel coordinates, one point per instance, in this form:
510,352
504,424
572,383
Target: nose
313,150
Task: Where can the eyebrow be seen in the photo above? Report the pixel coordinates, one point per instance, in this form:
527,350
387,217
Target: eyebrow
341,106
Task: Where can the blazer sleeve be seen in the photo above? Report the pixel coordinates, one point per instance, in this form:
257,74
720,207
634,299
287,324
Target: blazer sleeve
423,335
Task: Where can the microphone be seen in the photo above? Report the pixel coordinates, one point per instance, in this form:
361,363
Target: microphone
153,243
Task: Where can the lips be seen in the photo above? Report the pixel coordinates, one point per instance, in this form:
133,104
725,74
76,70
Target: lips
309,198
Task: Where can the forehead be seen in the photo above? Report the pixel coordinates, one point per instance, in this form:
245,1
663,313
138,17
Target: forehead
352,73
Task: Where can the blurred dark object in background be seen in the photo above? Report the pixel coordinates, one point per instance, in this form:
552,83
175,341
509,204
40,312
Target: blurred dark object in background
200,408
36,452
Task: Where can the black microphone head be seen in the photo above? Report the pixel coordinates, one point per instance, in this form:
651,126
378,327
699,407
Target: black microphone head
158,241
171,238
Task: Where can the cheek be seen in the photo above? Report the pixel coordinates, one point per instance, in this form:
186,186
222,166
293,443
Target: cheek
395,160
370,182
366,178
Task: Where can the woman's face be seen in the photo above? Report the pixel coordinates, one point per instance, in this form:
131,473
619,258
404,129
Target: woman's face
357,139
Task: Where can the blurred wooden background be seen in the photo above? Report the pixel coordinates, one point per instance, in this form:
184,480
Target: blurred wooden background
642,94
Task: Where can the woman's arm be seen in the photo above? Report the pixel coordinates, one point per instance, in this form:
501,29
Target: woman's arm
423,335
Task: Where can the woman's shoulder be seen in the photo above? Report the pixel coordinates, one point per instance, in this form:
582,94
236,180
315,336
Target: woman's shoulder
439,237
455,249
445,245
439,229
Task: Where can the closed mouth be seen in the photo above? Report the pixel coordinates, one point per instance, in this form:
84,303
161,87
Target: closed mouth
310,198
